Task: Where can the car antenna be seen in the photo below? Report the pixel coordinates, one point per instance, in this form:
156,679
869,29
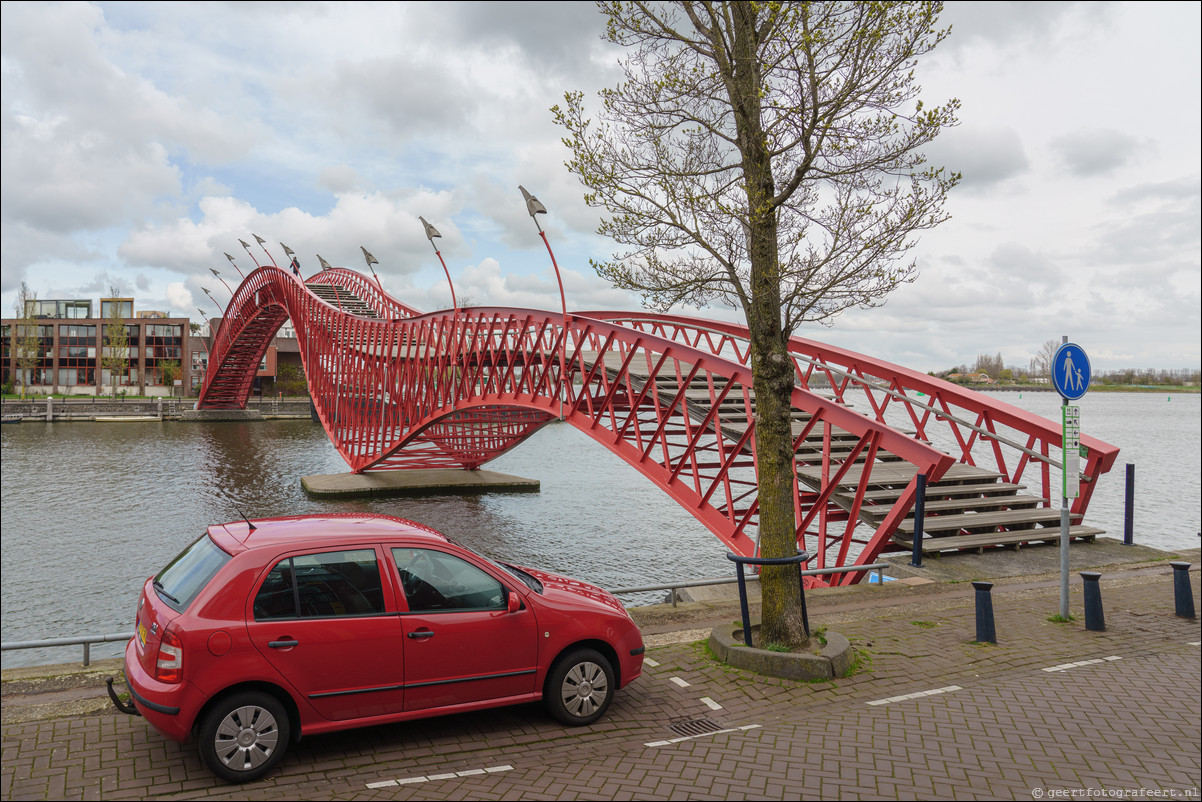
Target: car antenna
248,523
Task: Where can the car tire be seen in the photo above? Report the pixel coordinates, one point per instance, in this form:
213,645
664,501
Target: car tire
579,688
244,736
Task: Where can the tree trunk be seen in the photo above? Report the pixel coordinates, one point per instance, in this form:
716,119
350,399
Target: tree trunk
772,370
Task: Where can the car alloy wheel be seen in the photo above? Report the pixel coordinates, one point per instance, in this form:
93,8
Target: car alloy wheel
244,736
580,688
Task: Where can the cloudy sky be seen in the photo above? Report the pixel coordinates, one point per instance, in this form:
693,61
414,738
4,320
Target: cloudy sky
143,140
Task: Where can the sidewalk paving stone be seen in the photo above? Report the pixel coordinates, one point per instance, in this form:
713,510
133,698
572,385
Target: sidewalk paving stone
1010,730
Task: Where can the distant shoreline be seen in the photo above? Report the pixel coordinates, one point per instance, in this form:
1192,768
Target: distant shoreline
1093,388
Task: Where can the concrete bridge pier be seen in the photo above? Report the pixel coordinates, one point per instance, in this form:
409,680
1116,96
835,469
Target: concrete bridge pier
434,482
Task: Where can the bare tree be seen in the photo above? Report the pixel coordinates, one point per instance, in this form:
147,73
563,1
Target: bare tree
991,366
766,156
1041,363
170,370
26,343
114,357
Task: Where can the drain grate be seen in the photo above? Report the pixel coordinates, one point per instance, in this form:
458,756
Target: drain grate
695,726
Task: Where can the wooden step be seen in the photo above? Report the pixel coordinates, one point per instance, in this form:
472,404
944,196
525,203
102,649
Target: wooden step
342,298
981,503
894,475
941,491
1010,519
960,505
981,541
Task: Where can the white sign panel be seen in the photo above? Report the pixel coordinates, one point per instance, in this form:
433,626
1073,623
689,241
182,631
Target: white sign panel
1072,453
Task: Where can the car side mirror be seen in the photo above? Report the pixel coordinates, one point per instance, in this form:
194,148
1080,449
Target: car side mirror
513,601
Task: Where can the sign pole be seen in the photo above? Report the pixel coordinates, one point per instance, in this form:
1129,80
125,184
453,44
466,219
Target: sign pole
1064,516
1070,375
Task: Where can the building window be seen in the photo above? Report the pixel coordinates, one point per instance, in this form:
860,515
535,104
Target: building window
163,342
124,307
130,377
69,310
76,355
76,377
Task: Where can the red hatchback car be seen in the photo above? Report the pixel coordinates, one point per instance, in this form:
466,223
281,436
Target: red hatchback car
263,630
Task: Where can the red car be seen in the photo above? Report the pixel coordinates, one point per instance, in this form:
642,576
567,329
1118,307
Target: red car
261,631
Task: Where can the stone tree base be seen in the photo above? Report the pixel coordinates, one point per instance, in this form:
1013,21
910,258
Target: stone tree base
834,659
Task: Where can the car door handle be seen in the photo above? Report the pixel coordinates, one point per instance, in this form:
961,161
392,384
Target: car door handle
422,634
283,644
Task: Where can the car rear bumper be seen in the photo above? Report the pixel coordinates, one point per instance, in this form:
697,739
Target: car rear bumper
169,708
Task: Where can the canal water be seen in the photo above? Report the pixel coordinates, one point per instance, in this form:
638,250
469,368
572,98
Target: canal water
89,510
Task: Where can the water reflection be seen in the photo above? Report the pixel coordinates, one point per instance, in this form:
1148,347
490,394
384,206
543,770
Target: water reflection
90,509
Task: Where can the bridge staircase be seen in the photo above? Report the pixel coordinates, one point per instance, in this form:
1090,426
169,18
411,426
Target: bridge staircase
968,508
342,298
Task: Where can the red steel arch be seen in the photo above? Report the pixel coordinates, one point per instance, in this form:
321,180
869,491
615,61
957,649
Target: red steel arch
397,389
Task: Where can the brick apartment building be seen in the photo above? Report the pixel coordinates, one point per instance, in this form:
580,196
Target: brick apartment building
70,345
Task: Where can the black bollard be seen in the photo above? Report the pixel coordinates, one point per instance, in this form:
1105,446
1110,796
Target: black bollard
743,604
1129,515
919,509
1095,619
985,629
1183,593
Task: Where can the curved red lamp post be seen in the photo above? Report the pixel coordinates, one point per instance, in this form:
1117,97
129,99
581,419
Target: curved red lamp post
535,207
246,248
371,260
452,352
219,278
235,264
263,244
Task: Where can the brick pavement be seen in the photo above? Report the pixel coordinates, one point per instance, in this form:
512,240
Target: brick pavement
1125,718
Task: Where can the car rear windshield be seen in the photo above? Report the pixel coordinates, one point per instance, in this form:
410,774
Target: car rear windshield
185,576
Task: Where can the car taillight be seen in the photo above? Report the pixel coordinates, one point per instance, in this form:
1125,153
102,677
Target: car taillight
170,664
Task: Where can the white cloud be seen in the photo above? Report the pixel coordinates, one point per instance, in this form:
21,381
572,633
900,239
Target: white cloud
1097,152
180,297
985,157
142,141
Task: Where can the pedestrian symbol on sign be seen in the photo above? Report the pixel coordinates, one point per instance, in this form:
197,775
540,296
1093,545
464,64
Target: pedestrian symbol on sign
1070,371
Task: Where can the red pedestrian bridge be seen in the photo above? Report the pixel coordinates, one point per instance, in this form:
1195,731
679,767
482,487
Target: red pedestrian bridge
398,389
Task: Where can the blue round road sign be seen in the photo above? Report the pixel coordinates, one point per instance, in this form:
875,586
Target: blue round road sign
1070,371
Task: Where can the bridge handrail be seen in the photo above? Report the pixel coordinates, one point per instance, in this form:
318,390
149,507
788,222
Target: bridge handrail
894,394
244,306
502,318
850,421
893,380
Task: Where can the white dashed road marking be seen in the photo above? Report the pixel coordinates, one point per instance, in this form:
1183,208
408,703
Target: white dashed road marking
744,728
915,695
434,777
1067,666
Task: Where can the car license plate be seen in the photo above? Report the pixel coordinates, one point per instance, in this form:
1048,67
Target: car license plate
141,634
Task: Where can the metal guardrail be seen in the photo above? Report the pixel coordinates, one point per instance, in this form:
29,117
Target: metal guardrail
700,583
81,640
87,640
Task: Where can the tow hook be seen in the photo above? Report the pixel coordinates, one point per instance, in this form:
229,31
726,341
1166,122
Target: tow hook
124,707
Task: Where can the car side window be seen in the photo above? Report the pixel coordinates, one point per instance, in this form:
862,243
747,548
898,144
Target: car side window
434,581
328,585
